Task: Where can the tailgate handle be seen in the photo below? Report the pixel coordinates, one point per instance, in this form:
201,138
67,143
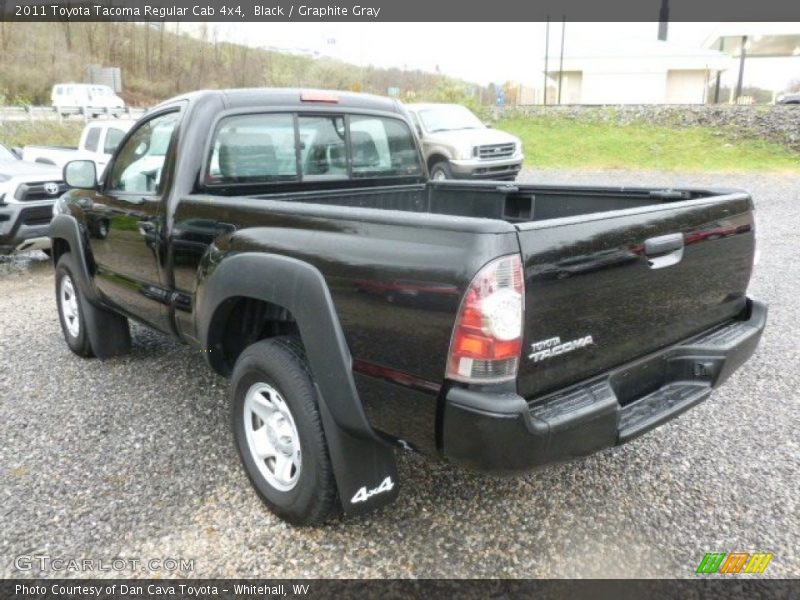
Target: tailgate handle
664,250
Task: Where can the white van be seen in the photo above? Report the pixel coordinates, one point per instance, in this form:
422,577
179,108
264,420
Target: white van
96,99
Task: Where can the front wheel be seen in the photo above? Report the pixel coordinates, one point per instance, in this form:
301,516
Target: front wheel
441,171
278,432
71,308
89,330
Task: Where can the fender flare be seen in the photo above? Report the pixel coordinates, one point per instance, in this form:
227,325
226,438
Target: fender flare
108,331
360,457
65,227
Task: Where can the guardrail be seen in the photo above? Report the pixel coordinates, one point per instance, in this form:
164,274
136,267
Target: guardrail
48,113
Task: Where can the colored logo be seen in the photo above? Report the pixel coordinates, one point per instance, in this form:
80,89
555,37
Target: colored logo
734,562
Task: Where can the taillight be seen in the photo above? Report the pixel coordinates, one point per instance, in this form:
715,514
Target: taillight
487,338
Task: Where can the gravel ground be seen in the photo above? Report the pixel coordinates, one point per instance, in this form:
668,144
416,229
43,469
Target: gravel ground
133,458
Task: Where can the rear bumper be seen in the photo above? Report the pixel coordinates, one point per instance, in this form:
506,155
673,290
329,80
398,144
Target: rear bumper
504,432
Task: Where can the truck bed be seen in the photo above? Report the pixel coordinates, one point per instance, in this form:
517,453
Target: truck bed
512,203
587,268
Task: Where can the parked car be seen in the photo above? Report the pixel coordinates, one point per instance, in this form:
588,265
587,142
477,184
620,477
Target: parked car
457,145
275,232
788,99
27,194
91,98
98,141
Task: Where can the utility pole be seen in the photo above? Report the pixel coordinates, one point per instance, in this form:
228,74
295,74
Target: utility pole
561,59
546,56
663,20
742,56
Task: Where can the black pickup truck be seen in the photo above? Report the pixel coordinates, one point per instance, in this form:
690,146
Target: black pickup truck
294,238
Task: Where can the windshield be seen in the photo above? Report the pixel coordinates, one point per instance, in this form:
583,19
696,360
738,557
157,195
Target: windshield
6,154
448,118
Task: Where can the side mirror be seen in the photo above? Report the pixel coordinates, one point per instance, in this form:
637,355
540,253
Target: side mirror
419,130
80,174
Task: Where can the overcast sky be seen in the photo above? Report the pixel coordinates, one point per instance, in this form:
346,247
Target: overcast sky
484,52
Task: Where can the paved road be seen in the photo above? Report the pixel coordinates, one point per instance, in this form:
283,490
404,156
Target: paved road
132,458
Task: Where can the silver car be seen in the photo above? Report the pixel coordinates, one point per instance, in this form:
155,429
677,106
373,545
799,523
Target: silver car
457,145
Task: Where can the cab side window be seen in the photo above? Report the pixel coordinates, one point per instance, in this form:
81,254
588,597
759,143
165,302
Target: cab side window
113,138
382,147
92,139
140,162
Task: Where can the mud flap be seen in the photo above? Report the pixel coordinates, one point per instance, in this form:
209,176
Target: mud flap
365,468
109,334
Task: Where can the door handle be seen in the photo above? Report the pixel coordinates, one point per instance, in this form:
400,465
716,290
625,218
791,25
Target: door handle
664,250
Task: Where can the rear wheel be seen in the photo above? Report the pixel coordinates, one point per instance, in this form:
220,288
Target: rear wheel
278,432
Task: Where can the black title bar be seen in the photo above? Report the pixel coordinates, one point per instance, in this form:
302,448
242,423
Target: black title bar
368,11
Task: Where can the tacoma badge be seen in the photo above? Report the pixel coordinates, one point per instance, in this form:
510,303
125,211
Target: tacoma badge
553,347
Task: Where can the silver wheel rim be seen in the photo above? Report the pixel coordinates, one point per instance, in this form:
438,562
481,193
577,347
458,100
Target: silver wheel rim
272,436
438,175
69,306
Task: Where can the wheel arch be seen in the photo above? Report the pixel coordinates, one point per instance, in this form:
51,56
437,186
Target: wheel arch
359,455
65,236
436,157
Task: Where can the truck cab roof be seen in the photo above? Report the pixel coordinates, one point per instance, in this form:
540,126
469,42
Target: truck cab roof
293,98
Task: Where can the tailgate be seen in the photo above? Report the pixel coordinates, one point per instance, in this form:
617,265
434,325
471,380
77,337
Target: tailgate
606,288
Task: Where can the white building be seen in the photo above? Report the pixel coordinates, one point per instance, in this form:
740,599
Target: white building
652,72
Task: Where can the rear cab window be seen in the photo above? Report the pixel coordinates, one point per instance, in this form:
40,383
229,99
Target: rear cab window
253,149
306,147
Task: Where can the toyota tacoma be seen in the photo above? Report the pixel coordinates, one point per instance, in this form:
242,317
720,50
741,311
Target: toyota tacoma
293,237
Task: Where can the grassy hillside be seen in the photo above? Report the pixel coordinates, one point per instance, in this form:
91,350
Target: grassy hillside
556,142
160,62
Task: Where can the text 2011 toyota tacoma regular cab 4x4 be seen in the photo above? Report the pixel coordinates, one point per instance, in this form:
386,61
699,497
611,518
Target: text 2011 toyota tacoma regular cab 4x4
293,237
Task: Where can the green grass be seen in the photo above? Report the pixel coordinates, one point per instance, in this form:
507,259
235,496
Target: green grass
46,133
553,142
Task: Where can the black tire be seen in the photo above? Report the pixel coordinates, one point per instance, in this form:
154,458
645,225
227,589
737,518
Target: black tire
441,170
280,364
101,332
77,340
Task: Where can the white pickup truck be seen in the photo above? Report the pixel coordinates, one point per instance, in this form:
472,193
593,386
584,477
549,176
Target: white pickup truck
27,194
98,141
